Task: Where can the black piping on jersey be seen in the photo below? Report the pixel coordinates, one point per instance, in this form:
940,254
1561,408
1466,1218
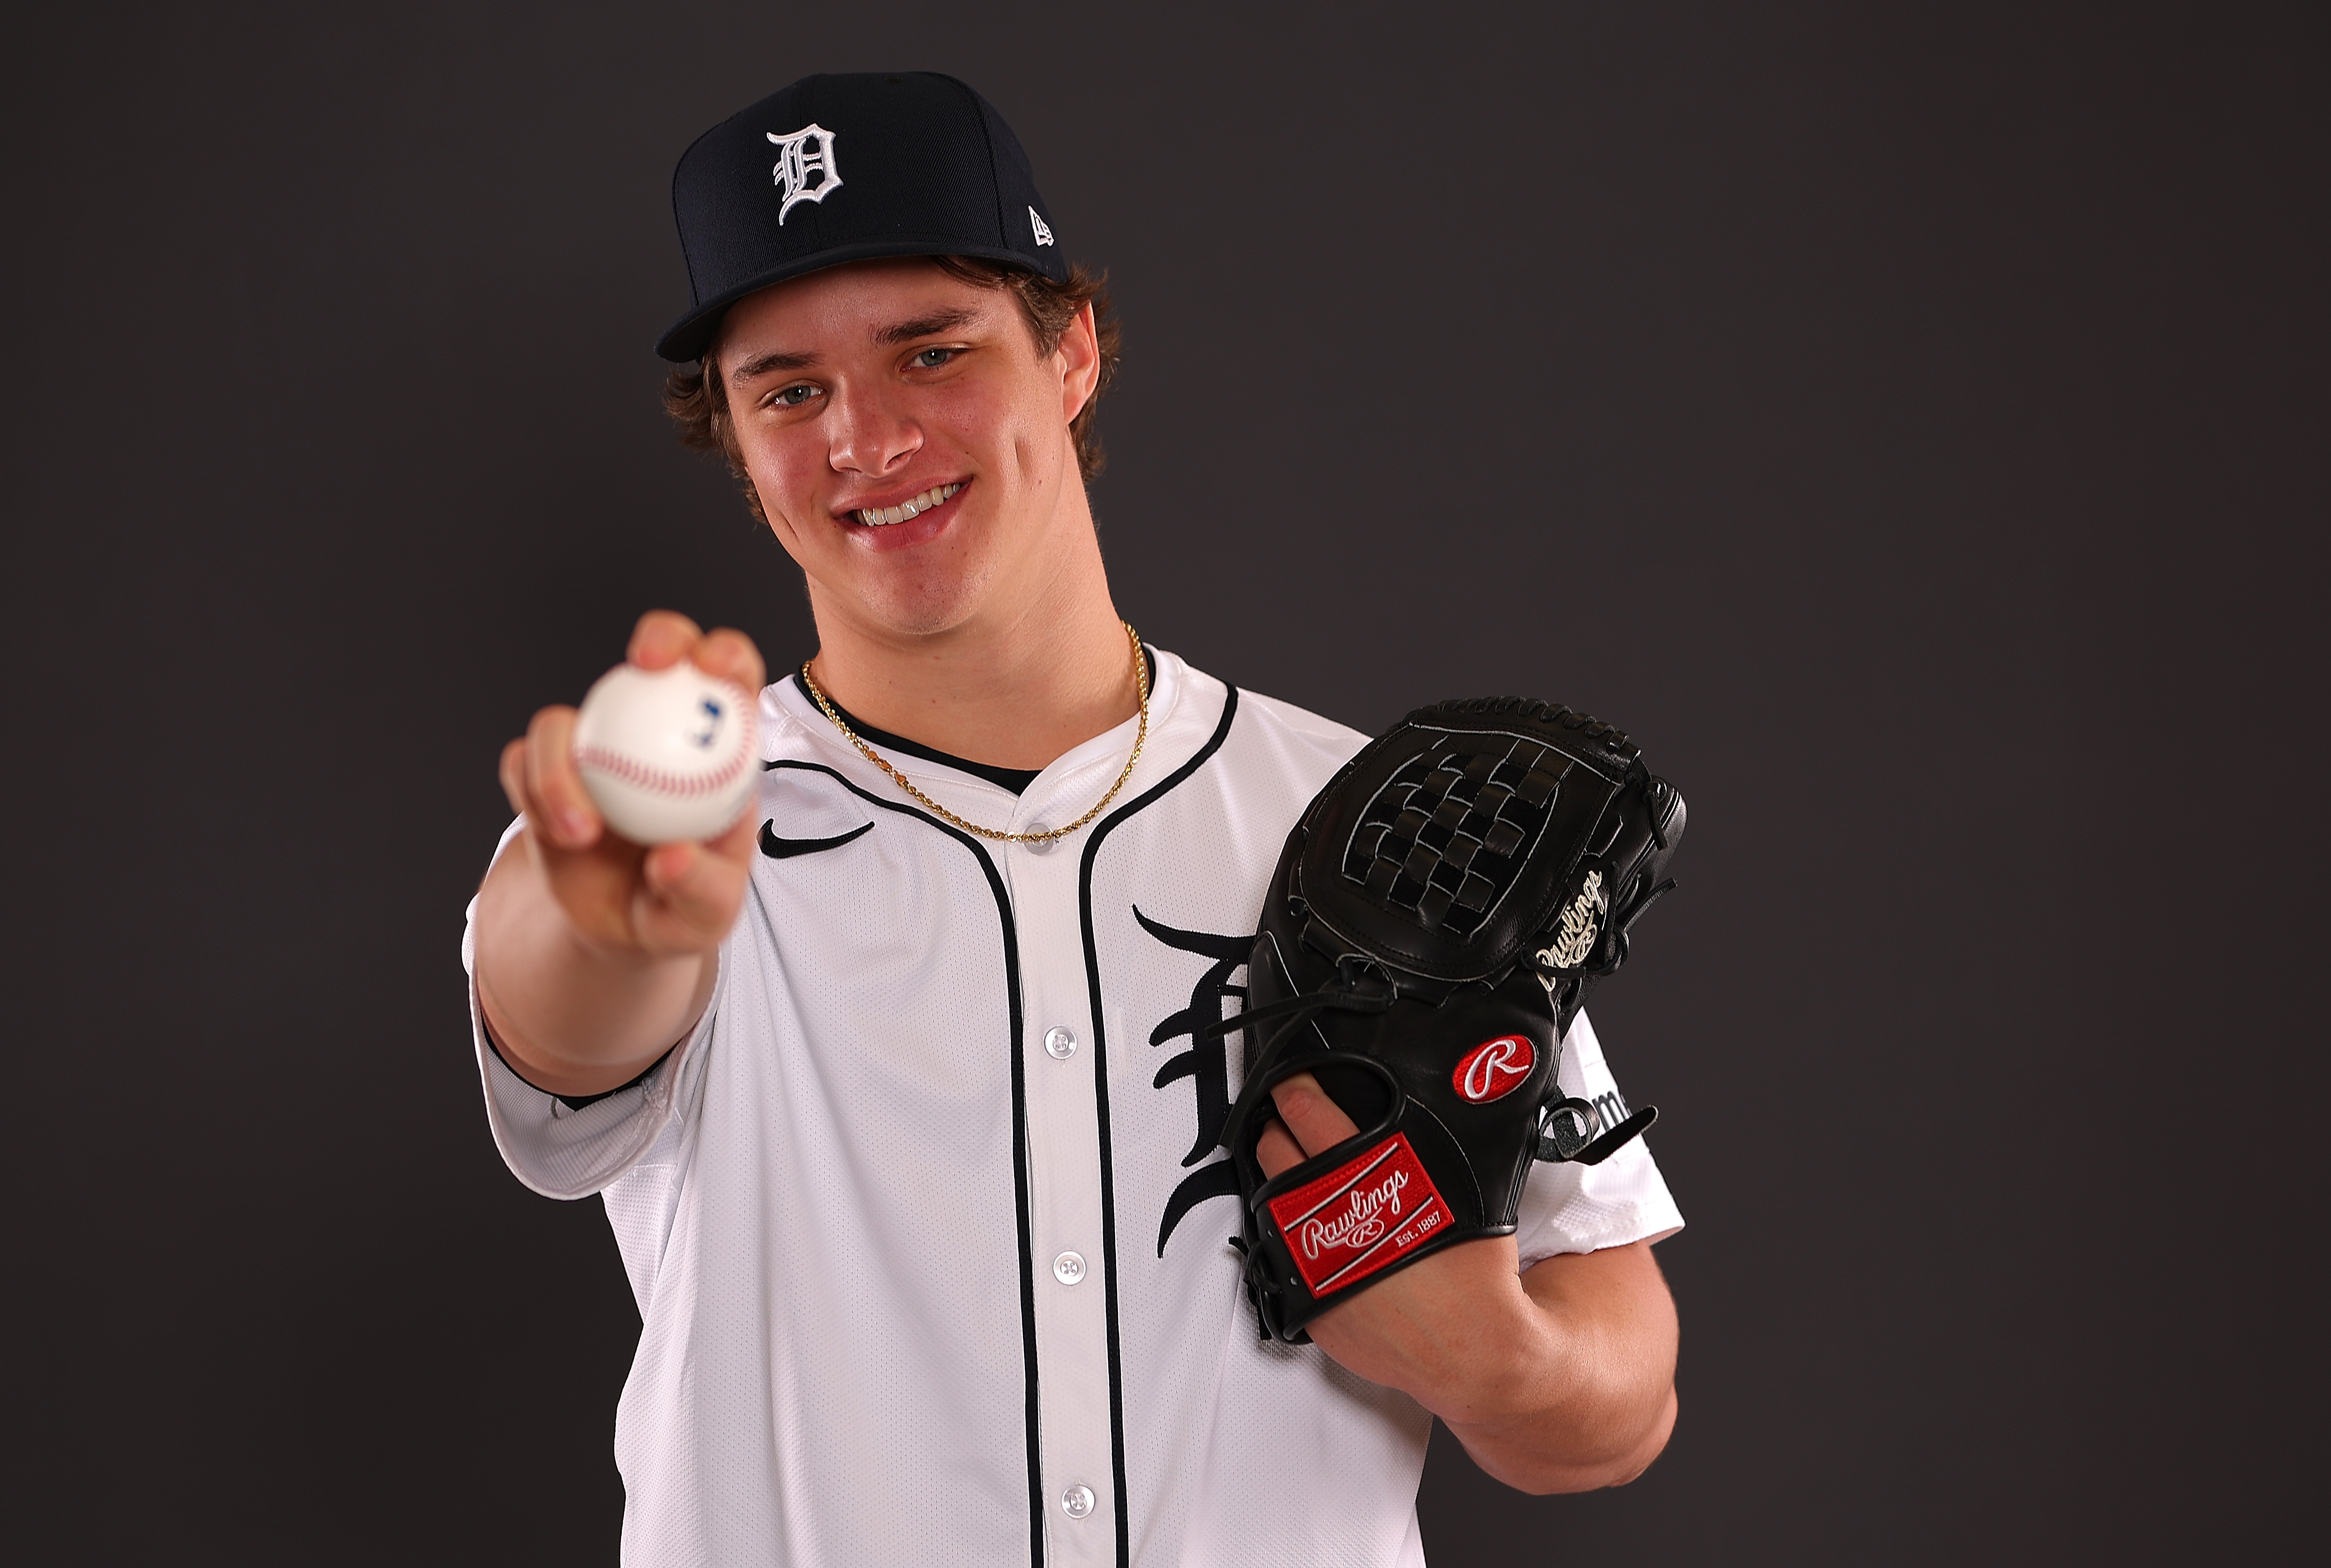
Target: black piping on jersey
1100,1093
1019,1135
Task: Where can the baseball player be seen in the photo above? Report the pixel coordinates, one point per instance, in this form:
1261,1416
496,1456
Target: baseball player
903,1094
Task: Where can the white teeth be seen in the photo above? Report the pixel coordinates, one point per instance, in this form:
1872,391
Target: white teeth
883,516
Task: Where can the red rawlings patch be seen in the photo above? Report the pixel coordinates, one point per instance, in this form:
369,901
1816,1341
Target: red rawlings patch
1372,1211
1495,1068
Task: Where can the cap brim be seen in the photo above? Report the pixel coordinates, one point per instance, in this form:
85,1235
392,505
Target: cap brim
688,338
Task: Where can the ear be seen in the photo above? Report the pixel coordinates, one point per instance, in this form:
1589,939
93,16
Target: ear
1079,357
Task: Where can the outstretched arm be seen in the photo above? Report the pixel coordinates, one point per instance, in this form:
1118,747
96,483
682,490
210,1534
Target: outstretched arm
1559,1380
596,955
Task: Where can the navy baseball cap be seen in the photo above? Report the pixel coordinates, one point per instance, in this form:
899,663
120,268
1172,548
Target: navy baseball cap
839,168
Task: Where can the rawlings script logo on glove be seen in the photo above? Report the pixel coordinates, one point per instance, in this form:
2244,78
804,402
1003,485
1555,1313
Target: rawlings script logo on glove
1360,1224
1580,923
1372,1213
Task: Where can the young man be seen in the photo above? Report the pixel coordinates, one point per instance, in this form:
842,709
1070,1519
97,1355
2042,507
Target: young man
900,1099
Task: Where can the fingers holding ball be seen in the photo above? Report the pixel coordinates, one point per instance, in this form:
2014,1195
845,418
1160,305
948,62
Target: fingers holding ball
668,755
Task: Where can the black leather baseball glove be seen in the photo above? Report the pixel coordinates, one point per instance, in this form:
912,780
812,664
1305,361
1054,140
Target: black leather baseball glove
1435,923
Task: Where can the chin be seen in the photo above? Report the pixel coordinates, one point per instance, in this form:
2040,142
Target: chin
927,608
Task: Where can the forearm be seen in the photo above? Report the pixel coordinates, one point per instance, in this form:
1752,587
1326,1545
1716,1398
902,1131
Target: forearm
1587,1397
572,1015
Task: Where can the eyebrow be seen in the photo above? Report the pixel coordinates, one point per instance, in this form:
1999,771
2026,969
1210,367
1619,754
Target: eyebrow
763,364
930,325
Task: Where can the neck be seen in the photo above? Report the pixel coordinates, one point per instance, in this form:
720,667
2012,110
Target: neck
1013,686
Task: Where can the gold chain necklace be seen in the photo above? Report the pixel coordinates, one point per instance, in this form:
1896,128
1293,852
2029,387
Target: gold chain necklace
1141,684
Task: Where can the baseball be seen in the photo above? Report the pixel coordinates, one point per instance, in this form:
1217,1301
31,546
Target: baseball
666,754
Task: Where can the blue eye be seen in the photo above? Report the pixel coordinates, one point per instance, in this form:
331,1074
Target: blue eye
932,358
793,396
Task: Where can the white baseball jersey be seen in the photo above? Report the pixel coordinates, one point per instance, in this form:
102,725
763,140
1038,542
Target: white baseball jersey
927,1218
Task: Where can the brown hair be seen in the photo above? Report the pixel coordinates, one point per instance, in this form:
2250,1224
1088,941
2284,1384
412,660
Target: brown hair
698,403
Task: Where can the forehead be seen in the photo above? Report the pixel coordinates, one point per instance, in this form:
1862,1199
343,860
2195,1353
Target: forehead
858,305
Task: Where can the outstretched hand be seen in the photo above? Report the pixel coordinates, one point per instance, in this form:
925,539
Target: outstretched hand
594,955
619,895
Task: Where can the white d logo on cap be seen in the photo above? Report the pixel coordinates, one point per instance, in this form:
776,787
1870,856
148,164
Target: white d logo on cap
795,163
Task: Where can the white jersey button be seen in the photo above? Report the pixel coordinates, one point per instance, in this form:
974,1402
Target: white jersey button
1060,1042
1039,847
1077,1502
1069,1267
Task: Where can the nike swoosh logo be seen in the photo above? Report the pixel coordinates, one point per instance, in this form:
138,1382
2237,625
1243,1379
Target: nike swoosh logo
779,849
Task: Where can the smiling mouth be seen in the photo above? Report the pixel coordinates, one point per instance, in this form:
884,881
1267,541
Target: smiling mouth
883,516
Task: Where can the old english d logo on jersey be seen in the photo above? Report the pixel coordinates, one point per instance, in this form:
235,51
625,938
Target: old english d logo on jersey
1361,1218
801,154
1495,1068
1206,1064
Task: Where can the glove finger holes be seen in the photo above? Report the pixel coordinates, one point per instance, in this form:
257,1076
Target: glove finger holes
1569,1127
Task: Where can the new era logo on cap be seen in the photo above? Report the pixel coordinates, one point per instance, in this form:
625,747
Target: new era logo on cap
934,171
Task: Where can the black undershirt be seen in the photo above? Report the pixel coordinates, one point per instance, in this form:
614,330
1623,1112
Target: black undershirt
1015,779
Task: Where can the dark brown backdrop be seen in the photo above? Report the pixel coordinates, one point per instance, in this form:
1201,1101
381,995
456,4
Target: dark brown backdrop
1909,421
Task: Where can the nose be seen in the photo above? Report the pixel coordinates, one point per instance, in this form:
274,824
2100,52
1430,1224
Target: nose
867,434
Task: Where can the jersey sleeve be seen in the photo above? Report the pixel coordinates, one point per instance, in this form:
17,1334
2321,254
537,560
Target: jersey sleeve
1574,1208
572,1150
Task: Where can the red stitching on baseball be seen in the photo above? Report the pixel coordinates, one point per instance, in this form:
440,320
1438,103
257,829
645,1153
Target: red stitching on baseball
617,766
